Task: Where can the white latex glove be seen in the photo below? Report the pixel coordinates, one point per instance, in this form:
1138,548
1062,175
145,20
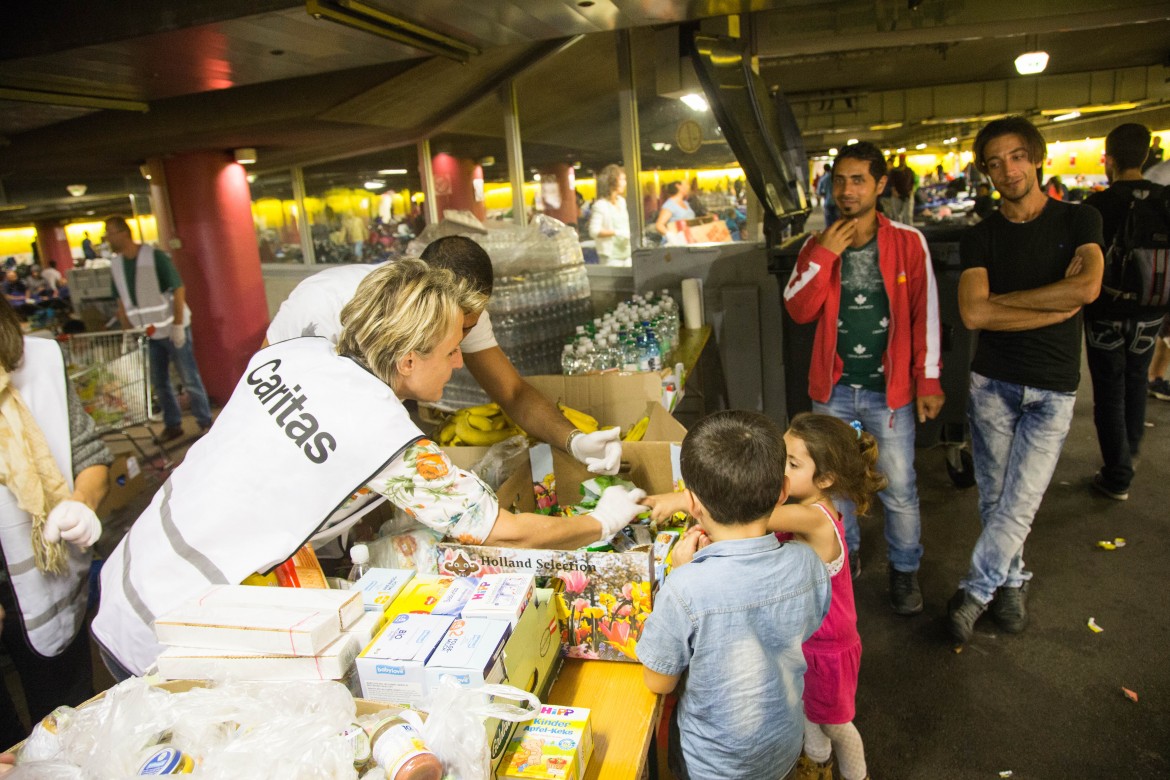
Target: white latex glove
600,451
178,336
616,508
74,522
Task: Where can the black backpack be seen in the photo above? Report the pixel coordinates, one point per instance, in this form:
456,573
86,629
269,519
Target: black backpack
1137,265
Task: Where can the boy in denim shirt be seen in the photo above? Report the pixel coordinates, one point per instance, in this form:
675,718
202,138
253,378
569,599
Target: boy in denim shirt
735,611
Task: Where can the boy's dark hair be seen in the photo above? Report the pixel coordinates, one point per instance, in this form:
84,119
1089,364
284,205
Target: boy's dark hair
1128,145
734,463
463,257
843,454
1011,125
866,152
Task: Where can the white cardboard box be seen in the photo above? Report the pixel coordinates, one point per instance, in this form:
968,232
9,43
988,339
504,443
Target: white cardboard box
379,587
470,652
347,604
501,596
332,663
366,628
392,668
252,629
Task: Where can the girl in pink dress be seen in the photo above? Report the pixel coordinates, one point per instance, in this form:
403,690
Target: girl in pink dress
828,457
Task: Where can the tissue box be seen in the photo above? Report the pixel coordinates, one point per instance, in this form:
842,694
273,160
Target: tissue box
379,587
470,652
431,594
332,663
501,596
254,629
392,668
346,603
555,745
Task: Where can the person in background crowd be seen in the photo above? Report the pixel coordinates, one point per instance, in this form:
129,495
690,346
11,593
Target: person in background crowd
151,295
900,206
674,208
868,284
695,199
314,309
984,203
282,465
87,249
825,194
1154,155
54,278
54,471
736,594
1119,337
1027,271
1158,386
609,220
1055,188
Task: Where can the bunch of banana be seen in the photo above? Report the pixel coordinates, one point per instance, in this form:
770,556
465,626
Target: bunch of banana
580,420
477,426
638,430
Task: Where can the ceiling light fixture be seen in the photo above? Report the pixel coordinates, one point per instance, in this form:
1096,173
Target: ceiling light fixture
373,20
833,152
1032,62
851,141
1067,116
245,155
144,169
695,102
901,149
399,171
920,146
375,184
76,190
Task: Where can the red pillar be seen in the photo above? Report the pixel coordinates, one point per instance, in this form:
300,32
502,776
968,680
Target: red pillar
558,185
458,185
52,245
212,239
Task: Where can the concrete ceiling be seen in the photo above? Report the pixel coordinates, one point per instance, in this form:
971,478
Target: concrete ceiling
88,91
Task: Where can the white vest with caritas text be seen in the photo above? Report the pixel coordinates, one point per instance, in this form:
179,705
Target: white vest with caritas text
52,606
303,430
149,305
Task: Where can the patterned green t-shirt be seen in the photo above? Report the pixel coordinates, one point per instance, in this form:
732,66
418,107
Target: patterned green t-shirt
863,323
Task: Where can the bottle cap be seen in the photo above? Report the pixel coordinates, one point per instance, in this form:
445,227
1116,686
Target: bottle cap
359,553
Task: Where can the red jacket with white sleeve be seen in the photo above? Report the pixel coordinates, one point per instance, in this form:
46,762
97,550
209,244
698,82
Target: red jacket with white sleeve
912,360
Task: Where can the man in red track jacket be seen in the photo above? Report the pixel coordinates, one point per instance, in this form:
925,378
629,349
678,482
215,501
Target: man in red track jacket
868,284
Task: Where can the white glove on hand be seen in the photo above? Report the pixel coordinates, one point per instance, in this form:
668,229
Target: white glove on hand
600,451
74,522
616,508
178,335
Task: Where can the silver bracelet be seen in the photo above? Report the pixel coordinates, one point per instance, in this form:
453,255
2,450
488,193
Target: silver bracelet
569,440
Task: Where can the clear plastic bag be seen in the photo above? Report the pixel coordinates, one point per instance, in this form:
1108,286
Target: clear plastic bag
454,728
492,468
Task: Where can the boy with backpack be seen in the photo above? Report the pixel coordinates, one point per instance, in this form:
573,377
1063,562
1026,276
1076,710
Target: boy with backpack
1122,325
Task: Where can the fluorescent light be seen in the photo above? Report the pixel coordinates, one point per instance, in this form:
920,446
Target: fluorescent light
657,146
695,102
901,149
392,172
833,152
885,152
375,184
245,156
920,146
1066,117
76,190
851,141
1031,63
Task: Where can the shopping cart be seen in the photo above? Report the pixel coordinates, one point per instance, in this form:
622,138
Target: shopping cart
111,373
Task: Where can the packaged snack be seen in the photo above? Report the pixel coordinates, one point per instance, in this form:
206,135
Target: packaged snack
502,596
167,761
555,745
432,594
379,587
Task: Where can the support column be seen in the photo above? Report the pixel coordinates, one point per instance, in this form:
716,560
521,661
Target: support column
210,235
558,189
458,185
52,245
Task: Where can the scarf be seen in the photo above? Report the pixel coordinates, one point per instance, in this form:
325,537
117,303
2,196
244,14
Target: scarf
27,468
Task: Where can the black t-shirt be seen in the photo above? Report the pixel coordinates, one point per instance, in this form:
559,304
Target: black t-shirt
1113,204
1023,257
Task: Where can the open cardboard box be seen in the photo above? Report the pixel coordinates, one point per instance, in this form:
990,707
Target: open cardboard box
604,596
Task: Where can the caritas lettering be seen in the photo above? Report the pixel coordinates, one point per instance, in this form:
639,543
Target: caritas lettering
281,402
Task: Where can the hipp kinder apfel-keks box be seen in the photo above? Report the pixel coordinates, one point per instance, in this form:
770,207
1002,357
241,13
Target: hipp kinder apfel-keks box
555,745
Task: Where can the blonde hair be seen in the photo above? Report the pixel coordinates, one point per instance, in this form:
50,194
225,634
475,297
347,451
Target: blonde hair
403,307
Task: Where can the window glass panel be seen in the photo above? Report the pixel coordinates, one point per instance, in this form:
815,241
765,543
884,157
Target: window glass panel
274,213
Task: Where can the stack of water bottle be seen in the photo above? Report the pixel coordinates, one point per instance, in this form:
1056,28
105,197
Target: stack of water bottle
638,335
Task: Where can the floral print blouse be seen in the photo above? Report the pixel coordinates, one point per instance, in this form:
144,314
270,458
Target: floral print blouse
424,484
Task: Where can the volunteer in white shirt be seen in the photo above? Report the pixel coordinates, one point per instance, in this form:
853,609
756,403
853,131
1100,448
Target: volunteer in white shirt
314,306
609,222
313,437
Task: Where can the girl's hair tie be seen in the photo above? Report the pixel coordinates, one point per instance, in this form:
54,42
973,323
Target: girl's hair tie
856,425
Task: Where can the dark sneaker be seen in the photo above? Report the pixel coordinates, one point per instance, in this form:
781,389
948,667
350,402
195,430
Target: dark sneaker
170,434
962,612
905,595
1009,609
1160,389
854,564
1098,484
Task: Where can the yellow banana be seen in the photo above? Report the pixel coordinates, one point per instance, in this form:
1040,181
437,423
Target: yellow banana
638,430
481,423
477,438
447,432
579,419
484,410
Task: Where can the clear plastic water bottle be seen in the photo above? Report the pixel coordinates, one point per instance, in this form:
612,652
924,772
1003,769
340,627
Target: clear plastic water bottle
653,351
630,354
569,360
359,554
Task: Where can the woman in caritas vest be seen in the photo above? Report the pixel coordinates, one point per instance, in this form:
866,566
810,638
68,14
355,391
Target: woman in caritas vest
311,439
53,473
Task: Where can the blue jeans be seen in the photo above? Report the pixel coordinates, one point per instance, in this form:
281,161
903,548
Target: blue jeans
1017,433
162,352
894,431
1119,354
